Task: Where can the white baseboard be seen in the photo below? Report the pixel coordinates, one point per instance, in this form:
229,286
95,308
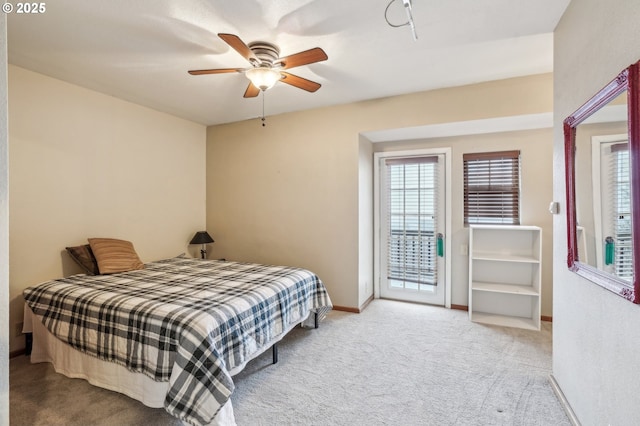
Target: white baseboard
563,401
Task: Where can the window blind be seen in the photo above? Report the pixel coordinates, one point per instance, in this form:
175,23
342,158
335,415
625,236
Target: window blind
492,188
619,181
411,213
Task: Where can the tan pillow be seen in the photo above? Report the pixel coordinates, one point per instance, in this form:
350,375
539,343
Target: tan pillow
115,255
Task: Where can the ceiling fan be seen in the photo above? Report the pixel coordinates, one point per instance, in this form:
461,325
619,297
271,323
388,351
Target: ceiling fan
267,66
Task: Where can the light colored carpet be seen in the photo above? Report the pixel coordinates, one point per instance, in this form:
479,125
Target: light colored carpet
394,364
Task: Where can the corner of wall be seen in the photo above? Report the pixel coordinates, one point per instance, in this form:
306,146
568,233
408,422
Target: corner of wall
365,221
4,227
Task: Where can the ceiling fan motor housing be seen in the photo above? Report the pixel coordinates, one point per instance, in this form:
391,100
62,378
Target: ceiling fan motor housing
267,53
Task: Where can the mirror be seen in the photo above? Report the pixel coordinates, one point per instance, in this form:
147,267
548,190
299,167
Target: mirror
602,149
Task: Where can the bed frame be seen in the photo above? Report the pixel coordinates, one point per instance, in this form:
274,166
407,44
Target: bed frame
28,340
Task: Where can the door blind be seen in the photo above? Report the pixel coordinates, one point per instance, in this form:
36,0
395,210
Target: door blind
492,188
411,231
620,183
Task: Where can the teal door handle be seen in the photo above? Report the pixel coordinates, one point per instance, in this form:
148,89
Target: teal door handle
608,251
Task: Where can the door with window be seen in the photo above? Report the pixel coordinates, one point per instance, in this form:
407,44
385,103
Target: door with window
412,228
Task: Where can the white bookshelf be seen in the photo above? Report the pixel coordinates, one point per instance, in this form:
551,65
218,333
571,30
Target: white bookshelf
505,275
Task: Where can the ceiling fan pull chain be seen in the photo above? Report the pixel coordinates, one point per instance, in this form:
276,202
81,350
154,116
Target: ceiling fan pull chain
263,118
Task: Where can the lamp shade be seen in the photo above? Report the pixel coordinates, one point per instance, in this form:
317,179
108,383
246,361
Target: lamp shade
201,237
263,78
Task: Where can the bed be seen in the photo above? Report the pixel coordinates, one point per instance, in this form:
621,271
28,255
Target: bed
174,332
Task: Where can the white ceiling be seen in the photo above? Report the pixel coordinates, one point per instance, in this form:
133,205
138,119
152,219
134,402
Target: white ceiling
141,50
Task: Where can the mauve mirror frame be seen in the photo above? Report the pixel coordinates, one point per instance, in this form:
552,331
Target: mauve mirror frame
627,80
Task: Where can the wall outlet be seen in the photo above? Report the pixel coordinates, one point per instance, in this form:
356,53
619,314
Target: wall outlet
18,329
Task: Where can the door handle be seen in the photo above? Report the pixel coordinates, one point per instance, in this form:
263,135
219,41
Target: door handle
440,244
608,250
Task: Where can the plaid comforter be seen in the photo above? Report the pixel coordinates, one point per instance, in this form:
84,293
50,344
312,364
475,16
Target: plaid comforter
186,321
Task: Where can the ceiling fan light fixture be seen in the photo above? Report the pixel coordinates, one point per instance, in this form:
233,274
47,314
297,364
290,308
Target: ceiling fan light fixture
262,77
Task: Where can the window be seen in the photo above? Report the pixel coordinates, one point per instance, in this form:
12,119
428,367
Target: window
621,192
492,188
411,205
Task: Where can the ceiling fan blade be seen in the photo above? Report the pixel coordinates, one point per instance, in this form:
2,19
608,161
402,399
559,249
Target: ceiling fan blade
215,71
240,47
299,82
252,91
303,58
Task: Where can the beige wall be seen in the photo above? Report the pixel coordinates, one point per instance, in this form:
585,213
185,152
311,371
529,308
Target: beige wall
293,192
287,194
536,155
84,164
596,334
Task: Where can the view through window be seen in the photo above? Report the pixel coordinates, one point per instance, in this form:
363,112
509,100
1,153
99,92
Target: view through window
411,239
